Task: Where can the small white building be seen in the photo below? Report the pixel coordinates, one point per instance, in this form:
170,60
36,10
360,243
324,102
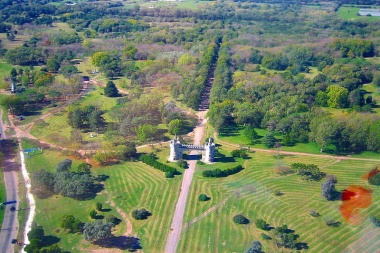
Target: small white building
369,12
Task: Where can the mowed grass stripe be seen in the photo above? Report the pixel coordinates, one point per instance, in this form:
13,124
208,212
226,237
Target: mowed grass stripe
292,208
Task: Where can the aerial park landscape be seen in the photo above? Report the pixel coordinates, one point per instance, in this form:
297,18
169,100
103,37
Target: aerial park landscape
189,126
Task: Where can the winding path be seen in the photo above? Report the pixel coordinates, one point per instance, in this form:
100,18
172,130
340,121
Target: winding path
176,226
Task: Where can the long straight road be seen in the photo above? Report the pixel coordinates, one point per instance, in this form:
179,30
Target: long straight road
10,225
176,227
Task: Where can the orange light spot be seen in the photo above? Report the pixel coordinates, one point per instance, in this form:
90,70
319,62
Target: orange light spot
353,199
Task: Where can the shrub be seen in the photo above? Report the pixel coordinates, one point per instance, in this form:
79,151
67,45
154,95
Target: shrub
203,197
240,219
278,193
331,222
375,221
151,161
239,153
182,163
93,214
200,162
141,214
99,206
73,225
313,213
308,171
112,219
374,177
222,173
265,236
260,223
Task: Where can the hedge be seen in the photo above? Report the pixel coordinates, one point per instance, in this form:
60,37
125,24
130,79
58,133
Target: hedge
169,171
222,173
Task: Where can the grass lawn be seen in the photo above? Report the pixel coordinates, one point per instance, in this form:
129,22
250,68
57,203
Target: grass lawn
131,185
58,123
251,192
350,13
3,197
5,70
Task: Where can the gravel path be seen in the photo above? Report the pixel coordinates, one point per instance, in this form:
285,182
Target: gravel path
176,227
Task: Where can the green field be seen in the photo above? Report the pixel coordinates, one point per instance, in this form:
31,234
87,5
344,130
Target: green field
5,70
350,13
131,185
58,123
250,192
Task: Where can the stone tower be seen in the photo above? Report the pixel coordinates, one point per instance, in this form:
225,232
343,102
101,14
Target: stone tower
209,151
175,150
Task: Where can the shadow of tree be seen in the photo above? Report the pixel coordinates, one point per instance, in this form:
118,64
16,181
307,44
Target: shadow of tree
50,240
121,242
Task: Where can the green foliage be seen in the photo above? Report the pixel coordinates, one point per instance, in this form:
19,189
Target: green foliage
203,197
169,171
354,47
176,126
14,104
72,224
25,56
265,236
110,90
255,247
328,188
262,224
375,221
269,140
182,163
240,219
250,134
84,168
374,177
308,171
141,214
146,132
42,182
65,38
222,173
68,70
285,238
64,166
314,213
331,222
99,206
241,153
74,185
97,230
36,233
93,214
86,117
337,96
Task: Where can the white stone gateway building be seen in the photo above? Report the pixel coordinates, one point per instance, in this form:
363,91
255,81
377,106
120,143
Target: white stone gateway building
177,149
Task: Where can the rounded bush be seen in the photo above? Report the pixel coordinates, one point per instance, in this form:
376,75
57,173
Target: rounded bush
240,219
375,179
203,197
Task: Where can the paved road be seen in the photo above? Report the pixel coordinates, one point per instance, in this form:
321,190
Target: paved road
176,227
10,225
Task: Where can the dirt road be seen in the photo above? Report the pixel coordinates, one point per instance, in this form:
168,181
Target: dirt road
176,227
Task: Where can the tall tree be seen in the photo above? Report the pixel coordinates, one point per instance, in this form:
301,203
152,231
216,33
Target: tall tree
110,90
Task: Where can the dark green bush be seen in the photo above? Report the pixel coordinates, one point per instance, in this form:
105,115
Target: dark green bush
240,219
203,197
169,171
222,173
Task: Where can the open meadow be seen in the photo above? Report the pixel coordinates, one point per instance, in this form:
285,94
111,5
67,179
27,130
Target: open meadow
208,226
